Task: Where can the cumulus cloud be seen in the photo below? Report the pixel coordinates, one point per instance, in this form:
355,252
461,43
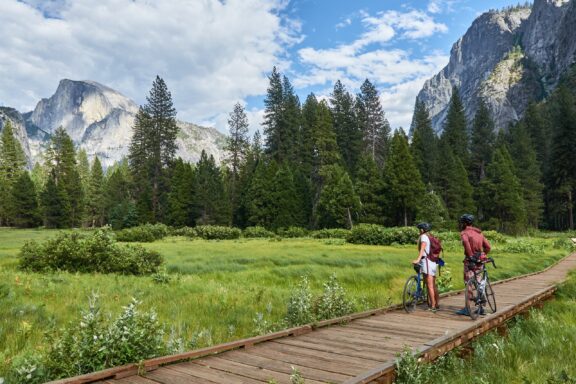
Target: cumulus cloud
211,53
441,6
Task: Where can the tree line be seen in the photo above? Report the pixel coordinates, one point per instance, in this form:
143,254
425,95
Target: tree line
324,163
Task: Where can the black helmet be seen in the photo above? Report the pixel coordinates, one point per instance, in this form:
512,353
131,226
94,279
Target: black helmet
466,219
426,227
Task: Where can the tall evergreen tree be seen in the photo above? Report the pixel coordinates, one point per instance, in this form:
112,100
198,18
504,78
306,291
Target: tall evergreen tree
83,166
25,211
273,127
211,202
287,201
539,132
338,203
309,123
120,208
152,150
403,183
12,164
482,143
259,199
528,171
237,145
348,134
325,145
455,132
61,160
424,146
453,183
562,166
373,125
95,208
55,204
501,194
181,196
369,187
291,123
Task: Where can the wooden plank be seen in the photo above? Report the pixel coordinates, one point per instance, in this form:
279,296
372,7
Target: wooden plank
213,375
170,376
248,370
246,357
368,354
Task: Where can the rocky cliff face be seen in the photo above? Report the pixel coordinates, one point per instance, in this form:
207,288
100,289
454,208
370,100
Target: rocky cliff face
99,120
507,58
19,127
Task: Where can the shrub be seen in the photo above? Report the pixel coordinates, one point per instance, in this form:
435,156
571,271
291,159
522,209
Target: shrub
27,368
257,232
494,237
145,233
185,231
373,234
523,247
216,232
566,244
96,342
292,232
96,252
334,301
299,309
447,236
334,233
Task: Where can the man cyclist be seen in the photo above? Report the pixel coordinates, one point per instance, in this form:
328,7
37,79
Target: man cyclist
428,267
476,247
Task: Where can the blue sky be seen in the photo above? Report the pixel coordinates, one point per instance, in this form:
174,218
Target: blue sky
214,53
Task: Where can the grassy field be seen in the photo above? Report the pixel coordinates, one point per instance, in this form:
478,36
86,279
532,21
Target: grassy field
218,287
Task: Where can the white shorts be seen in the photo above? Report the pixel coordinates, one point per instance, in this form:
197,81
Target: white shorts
428,267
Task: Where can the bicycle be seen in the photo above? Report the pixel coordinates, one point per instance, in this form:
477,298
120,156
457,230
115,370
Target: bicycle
415,291
478,291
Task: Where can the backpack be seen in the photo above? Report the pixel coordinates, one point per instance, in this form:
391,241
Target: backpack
435,248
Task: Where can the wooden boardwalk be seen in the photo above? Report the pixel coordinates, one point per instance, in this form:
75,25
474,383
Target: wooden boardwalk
362,350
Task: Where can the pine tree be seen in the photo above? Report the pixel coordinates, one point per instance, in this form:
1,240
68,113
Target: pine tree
348,135
95,209
539,132
181,196
120,209
12,164
432,209
259,199
562,165
501,194
287,202
373,125
338,203
424,147
325,145
528,171
237,145
453,183
291,123
152,150
25,211
482,143
55,204
370,189
455,132
83,169
210,200
61,161
307,144
403,183
273,129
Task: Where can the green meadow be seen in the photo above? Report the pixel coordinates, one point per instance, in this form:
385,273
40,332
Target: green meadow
218,288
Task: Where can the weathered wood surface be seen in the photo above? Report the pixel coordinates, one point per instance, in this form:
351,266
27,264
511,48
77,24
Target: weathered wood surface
359,348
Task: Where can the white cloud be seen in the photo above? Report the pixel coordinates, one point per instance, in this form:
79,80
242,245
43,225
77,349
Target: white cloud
415,24
441,6
211,53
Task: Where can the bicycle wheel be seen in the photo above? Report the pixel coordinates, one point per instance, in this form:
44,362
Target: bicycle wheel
490,297
409,297
424,297
471,297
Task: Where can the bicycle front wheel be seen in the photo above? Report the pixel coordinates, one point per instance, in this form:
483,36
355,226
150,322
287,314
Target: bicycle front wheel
490,297
471,297
409,297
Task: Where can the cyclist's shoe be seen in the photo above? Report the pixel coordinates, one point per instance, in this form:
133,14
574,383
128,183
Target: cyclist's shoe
463,312
480,311
432,309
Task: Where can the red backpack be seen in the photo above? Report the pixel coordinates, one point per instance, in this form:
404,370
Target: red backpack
435,248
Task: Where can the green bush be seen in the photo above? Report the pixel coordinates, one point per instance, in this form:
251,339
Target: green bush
447,236
216,232
299,310
373,234
257,232
334,301
95,252
185,231
145,233
523,246
494,237
292,232
333,233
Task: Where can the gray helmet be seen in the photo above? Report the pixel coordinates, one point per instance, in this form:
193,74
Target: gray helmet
466,219
426,227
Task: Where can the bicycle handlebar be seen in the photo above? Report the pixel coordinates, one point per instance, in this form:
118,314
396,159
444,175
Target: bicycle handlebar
491,260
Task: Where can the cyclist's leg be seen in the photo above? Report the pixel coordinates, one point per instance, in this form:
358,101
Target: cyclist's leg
430,283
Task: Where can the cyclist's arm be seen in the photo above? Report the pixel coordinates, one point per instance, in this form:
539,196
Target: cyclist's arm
485,245
423,245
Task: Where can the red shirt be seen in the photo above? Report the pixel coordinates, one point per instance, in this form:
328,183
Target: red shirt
474,241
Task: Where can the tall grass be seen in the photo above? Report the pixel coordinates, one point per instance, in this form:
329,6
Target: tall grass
215,288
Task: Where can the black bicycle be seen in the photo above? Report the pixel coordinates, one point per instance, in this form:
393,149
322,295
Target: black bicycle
415,291
478,292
